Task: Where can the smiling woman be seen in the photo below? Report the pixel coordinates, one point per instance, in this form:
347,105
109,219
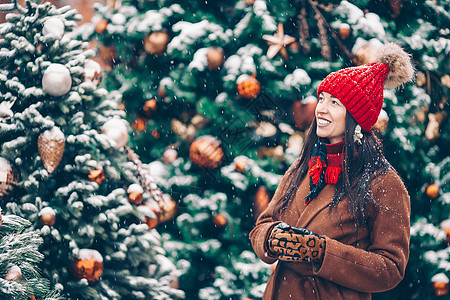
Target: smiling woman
338,224
330,116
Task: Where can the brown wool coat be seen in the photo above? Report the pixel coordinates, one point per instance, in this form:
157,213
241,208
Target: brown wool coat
354,266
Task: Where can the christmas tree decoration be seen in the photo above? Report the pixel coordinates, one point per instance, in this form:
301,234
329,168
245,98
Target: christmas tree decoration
156,42
170,155
8,177
275,152
97,176
445,225
168,209
249,2
364,52
92,72
432,132
88,264
135,193
56,80
47,216
101,25
440,284
152,222
220,220
278,42
445,80
248,86
421,79
344,31
432,191
206,152
149,107
240,163
51,144
108,56
260,201
303,112
116,130
215,57
53,26
396,6
140,124
382,122
14,274
295,144
156,134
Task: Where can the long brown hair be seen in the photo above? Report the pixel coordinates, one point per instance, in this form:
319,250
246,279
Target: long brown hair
362,164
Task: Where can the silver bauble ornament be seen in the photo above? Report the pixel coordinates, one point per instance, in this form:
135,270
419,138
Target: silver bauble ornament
117,131
53,26
56,80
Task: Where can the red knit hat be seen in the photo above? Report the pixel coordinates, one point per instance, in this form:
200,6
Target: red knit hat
360,89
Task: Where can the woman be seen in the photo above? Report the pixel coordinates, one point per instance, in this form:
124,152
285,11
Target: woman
338,223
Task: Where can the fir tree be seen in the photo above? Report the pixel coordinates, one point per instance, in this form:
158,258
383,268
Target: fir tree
64,142
221,93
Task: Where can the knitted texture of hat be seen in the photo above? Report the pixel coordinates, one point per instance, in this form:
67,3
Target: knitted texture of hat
360,89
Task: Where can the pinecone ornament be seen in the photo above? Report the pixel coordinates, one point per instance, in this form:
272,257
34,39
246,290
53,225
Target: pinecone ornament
51,144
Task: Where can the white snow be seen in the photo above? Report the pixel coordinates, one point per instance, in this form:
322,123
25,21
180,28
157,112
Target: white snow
297,78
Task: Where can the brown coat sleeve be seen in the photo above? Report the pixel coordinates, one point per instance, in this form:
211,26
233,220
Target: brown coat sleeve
382,266
265,223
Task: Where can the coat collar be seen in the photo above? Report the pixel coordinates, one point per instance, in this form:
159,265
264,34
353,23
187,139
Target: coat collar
309,212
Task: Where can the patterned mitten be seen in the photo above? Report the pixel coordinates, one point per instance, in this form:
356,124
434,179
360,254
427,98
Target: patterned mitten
296,244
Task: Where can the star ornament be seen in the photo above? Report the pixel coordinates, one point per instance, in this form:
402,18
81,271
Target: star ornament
278,42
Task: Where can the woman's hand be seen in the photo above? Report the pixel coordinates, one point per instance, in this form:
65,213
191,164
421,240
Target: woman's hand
296,244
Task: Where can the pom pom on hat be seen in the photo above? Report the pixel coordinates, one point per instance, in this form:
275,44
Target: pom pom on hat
399,62
360,89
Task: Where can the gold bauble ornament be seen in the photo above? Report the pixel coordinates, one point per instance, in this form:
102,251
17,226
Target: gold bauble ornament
135,193
51,144
149,107
97,176
206,152
47,216
421,79
432,191
156,42
240,163
303,112
344,31
248,86
88,264
440,284
140,124
8,177
154,207
445,225
101,25
249,2
382,122
220,220
168,209
215,57
260,201
445,80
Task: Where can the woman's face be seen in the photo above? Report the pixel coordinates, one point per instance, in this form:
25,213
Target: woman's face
330,118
